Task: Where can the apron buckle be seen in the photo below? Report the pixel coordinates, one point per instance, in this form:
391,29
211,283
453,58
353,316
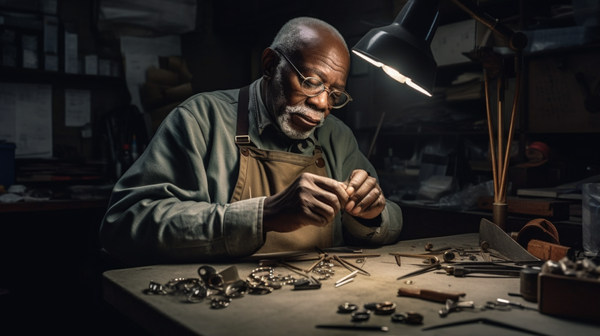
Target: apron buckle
242,139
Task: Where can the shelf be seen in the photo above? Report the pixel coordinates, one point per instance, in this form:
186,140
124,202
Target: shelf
18,75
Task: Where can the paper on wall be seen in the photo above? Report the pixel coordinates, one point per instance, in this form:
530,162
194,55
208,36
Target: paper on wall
26,112
77,107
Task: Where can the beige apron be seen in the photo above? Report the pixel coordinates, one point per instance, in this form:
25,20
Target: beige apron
265,173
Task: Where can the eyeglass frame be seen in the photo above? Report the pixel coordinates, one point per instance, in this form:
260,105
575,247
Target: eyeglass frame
304,79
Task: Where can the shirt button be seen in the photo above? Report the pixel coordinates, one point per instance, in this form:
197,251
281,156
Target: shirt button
320,162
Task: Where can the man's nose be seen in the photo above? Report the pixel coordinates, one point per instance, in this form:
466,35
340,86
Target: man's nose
320,102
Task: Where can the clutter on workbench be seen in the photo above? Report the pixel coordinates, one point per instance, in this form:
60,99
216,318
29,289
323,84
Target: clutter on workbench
567,288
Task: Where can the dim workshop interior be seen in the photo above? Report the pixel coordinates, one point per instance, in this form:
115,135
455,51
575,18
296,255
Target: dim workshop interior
480,117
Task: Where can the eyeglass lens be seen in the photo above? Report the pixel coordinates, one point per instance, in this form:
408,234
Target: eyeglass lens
313,87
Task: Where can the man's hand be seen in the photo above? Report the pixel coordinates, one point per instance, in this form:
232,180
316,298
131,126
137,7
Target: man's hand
310,200
366,198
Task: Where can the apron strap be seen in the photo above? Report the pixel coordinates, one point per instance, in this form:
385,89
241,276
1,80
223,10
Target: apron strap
242,138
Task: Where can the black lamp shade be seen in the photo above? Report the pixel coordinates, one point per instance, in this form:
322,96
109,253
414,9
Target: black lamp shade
405,44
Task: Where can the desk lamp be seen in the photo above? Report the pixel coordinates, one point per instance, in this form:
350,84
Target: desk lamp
402,49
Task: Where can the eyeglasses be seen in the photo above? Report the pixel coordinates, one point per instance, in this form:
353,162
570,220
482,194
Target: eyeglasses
313,87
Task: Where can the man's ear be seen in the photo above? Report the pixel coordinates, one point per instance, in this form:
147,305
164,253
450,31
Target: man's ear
269,63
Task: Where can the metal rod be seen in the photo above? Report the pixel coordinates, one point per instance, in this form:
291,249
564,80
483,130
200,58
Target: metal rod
347,277
503,184
491,135
338,284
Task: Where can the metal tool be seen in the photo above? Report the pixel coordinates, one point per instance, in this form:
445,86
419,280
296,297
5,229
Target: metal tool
461,271
349,266
429,268
341,283
347,277
429,258
452,305
501,242
430,294
322,257
353,327
514,304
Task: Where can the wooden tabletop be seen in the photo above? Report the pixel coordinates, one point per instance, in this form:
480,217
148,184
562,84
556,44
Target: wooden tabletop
287,311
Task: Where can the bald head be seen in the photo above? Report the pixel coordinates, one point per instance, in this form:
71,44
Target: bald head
307,33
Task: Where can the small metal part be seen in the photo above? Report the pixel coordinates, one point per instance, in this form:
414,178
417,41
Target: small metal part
260,290
398,261
197,295
236,289
408,318
154,288
449,256
347,308
360,316
385,308
452,305
409,282
307,283
428,246
370,305
484,246
218,302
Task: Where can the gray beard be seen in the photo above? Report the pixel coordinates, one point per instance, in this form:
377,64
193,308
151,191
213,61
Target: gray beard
284,120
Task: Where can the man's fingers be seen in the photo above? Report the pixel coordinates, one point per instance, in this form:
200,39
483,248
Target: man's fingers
372,199
336,188
355,181
370,195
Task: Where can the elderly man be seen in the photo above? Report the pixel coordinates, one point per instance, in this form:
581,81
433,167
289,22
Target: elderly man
254,170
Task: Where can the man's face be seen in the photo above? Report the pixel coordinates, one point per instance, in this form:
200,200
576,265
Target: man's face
297,121
296,114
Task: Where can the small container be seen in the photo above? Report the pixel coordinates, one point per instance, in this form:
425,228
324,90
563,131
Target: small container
529,283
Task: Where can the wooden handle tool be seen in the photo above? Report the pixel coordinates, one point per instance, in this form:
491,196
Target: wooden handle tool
430,294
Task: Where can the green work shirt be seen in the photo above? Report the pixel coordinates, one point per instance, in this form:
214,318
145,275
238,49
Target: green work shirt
173,204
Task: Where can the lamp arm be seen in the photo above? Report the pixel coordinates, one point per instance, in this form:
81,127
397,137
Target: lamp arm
515,40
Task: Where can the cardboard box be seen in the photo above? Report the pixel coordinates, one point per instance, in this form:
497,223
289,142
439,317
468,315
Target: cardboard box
570,297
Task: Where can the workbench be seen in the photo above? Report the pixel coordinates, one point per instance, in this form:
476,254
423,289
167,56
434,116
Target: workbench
287,311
